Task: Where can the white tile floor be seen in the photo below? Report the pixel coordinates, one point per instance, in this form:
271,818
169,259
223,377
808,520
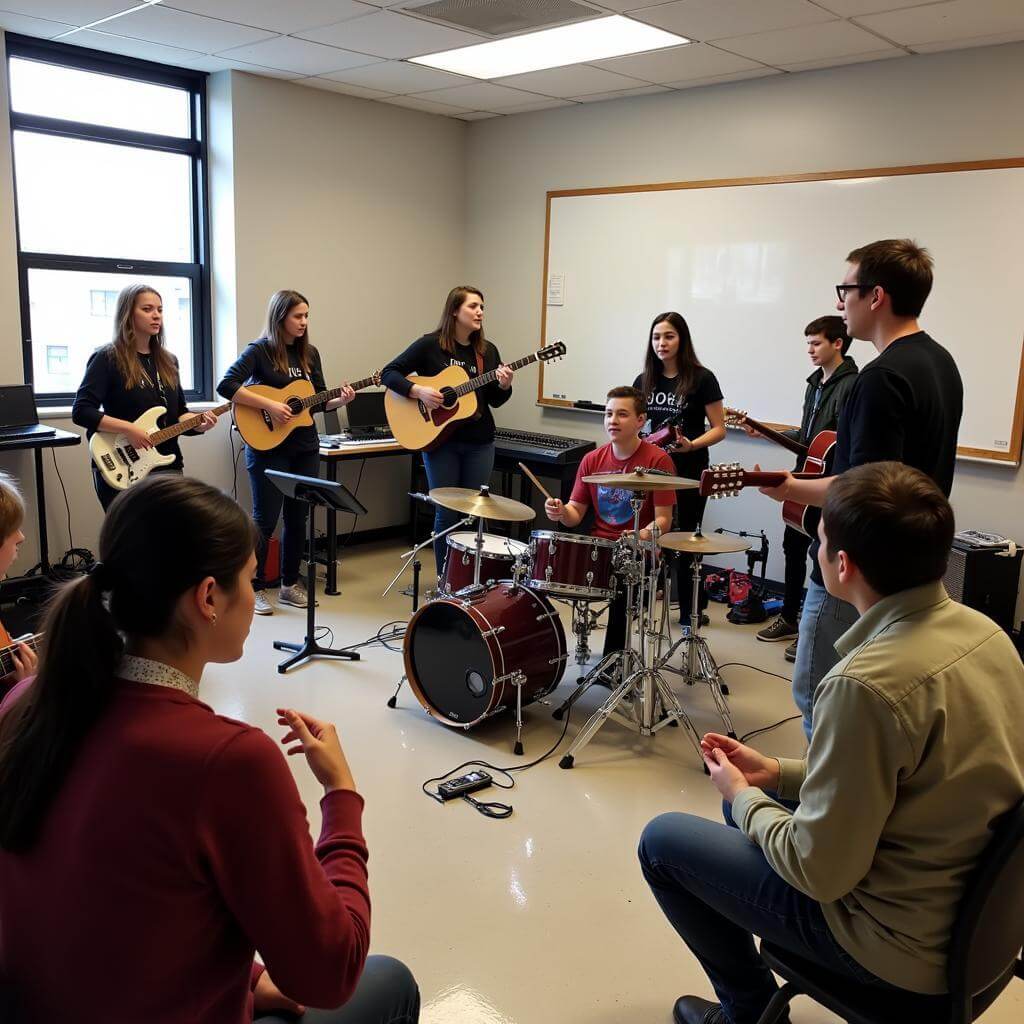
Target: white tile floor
543,918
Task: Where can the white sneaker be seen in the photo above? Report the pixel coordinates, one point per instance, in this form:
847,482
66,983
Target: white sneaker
263,605
295,595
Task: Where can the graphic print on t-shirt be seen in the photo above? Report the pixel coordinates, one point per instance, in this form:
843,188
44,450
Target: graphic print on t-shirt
613,505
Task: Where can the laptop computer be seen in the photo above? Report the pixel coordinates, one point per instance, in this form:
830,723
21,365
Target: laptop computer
18,415
366,416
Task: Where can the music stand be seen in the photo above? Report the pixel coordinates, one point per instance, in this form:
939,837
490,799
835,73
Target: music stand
316,493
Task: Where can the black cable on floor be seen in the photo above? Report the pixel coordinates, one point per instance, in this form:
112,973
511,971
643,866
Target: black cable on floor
67,506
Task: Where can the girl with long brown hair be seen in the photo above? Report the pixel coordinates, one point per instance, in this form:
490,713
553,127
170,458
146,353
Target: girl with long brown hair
169,842
678,387
131,375
280,355
466,457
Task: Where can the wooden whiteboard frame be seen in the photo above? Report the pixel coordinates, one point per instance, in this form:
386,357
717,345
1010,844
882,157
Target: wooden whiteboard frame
1012,455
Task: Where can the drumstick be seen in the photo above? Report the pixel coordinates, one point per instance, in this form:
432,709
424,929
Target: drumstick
536,482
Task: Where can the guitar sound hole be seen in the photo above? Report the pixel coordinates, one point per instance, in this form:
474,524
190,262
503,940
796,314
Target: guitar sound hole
295,405
450,398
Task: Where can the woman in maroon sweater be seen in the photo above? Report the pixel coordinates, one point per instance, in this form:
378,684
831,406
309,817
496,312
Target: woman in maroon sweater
149,847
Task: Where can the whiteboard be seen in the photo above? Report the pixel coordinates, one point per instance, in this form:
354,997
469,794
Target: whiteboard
749,263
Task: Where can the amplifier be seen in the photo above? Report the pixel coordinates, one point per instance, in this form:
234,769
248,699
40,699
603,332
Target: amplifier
986,580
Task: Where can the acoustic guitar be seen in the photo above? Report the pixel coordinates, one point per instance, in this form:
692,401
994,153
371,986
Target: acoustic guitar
258,429
121,464
817,462
417,428
7,653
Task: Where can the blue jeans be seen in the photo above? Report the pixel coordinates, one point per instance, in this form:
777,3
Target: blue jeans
824,620
386,994
718,891
267,503
455,464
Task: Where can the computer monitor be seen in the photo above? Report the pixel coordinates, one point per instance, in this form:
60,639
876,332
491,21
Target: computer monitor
17,405
367,410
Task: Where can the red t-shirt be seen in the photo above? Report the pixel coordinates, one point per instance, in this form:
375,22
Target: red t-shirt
613,513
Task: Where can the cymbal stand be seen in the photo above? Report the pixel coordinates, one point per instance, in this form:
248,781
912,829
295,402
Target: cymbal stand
698,664
641,684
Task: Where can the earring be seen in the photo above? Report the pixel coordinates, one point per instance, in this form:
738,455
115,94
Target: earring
213,619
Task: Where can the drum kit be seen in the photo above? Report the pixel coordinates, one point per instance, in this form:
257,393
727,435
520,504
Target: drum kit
492,640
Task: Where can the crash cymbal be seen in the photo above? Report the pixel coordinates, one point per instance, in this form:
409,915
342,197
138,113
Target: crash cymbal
642,480
701,544
482,503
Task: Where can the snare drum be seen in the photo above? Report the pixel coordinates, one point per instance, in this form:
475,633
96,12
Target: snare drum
464,655
497,559
571,565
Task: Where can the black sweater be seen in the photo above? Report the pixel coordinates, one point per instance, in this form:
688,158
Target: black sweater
426,358
102,393
256,366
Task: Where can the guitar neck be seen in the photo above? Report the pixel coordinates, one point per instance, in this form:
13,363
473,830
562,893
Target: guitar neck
326,396
491,375
779,438
159,436
7,665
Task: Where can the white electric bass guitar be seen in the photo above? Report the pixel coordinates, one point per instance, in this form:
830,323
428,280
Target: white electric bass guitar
121,464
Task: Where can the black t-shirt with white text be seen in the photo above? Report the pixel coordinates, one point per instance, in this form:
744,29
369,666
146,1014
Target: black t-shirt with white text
663,402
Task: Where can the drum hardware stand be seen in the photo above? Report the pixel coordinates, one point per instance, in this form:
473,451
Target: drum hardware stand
698,663
645,683
584,621
316,493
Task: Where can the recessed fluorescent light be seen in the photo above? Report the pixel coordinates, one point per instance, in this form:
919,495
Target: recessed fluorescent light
553,48
112,17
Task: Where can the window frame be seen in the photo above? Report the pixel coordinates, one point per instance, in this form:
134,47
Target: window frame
195,147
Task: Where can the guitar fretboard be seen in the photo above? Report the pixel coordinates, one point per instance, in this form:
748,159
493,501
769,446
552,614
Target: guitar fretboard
779,438
326,396
7,653
159,436
491,375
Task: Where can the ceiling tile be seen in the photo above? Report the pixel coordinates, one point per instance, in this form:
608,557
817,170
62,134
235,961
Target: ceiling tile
528,108
141,48
190,31
293,16
481,96
698,60
299,55
958,19
344,87
713,19
37,27
621,6
396,76
737,76
255,69
643,90
476,115
809,42
387,34
575,80
850,8
834,62
965,44
71,12
428,106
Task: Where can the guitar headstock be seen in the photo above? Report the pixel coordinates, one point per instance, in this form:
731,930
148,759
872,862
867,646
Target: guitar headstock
725,480
553,351
735,417
375,377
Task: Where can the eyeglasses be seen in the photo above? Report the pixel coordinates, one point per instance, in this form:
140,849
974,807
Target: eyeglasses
842,289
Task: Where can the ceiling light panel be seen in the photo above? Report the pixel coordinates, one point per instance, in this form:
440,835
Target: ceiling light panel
555,47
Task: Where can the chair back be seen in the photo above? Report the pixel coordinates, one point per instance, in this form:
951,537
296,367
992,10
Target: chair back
989,929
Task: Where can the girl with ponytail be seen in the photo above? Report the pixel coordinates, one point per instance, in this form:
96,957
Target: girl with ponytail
137,871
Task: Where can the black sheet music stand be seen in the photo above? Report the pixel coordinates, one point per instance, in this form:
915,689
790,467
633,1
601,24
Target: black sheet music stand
316,493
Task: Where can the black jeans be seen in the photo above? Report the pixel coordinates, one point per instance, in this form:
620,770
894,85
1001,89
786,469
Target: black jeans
267,503
386,994
107,494
794,548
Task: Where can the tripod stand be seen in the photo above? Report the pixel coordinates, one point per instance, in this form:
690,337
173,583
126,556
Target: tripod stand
641,686
316,493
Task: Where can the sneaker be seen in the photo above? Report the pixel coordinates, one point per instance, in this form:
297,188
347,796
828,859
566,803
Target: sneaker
263,605
295,595
790,652
778,630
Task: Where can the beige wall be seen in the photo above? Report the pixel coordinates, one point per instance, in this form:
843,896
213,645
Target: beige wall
358,205
954,106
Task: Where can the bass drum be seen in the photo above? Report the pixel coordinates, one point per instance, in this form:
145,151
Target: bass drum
463,655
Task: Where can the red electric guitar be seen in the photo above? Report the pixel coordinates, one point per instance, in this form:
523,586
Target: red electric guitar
817,461
665,435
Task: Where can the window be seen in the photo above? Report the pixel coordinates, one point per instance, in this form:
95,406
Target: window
109,166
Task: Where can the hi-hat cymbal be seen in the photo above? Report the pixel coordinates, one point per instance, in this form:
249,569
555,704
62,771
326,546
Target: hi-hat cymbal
482,503
701,544
641,480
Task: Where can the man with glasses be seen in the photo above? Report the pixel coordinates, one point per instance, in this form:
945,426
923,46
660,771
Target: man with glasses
905,407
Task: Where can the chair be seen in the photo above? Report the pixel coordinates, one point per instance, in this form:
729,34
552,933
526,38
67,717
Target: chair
984,952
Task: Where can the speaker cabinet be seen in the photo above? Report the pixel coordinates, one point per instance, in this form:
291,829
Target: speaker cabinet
985,579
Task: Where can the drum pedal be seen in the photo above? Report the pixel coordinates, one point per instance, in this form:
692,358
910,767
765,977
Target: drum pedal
455,788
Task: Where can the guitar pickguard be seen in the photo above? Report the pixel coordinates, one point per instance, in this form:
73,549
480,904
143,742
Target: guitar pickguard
442,415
